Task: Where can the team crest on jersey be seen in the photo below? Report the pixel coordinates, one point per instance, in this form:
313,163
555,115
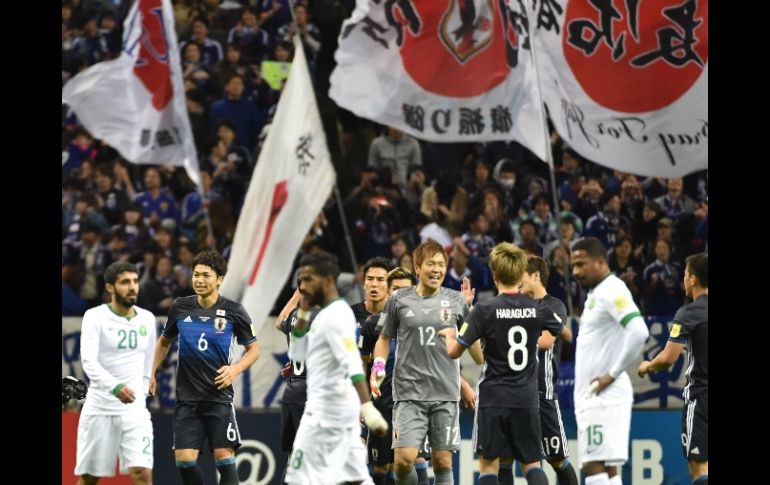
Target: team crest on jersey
219,324
592,303
621,303
142,331
446,315
205,319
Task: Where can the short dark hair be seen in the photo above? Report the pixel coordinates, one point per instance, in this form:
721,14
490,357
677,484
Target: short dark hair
536,264
115,269
592,246
378,262
323,263
473,215
212,259
400,273
698,266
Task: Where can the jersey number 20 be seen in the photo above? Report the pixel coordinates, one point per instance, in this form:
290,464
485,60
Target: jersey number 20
519,348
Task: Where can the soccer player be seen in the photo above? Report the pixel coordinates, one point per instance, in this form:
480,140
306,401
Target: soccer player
691,328
379,448
534,282
328,448
295,373
375,291
507,421
612,334
116,344
426,382
206,324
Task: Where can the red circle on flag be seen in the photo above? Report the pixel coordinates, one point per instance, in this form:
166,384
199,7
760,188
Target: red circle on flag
608,74
448,64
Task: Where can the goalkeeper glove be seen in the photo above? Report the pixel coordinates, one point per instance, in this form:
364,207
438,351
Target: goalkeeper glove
377,376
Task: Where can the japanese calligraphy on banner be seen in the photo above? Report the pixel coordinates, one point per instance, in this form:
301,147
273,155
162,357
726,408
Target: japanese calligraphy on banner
443,71
626,82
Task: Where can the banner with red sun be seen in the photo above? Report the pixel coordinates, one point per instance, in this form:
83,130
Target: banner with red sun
441,70
626,81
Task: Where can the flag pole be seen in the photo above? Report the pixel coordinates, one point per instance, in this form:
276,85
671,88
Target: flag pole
547,141
337,196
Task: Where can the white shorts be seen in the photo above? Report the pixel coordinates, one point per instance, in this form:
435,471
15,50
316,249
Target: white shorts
103,439
603,433
325,455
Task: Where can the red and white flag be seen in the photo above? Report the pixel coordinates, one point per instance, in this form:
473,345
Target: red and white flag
442,71
626,82
291,182
136,103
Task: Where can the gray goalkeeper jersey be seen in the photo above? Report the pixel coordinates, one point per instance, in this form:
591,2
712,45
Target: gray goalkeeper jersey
423,371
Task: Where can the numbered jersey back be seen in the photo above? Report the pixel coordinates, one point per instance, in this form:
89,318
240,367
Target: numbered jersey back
508,326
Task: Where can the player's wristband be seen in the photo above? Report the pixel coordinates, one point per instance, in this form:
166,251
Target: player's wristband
117,389
298,333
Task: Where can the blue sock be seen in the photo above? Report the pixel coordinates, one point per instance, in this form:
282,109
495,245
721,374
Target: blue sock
487,479
422,472
378,478
228,475
536,476
190,472
505,474
701,480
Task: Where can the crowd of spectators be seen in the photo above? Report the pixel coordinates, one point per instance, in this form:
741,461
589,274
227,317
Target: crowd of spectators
396,190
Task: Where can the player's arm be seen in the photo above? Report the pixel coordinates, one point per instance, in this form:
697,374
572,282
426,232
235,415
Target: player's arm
244,335
635,333
476,353
149,357
467,394
162,347
227,373
89,357
663,360
469,334
167,336
546,340
677,340
388,325
298,342
287,309
553,324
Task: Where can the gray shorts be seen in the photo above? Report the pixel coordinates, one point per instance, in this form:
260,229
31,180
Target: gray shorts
439,420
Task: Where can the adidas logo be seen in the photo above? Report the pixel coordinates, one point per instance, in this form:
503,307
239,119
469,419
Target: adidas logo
410,313
188,319
695,451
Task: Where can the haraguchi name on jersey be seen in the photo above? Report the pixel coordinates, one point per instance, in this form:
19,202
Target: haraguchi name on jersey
516,313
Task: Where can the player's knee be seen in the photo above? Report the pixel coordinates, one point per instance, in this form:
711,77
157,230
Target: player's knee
593,468
186,455
403,462
223,453
698,468
555,462
141,476
88,480
442,459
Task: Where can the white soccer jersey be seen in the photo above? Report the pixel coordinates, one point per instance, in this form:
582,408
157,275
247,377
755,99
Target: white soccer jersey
116,350
608,309
329,349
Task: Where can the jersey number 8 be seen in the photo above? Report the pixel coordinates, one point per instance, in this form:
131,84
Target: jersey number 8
520,346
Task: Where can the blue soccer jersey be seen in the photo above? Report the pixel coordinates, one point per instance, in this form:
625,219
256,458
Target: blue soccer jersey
207,338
